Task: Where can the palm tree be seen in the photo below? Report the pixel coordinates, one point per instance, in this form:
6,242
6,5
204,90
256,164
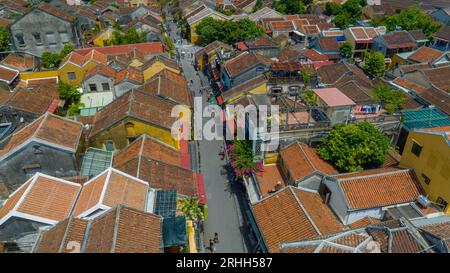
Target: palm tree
242,158
193,210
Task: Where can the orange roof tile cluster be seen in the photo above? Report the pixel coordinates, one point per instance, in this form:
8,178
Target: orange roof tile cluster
111,188
173,89
425,55
43,199
363,33
49,129
81,60
292,214
19,62
352,241
8,75
302,160
136,104
314,55
120,230
244,61
56,12
379,188
158,164
268,179
152,48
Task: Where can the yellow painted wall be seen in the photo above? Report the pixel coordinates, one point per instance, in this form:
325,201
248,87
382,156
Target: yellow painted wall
38,75
155,68
191,237
434,162
260,89
69,67
119,135
270,158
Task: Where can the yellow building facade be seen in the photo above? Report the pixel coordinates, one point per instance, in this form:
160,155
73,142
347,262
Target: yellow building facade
427,151
123,133
156,67
73,73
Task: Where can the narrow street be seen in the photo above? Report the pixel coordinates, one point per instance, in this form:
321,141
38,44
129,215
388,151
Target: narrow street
226,199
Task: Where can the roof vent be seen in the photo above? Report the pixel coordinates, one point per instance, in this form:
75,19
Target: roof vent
422,200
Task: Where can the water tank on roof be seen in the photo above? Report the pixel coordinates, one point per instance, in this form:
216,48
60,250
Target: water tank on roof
422,200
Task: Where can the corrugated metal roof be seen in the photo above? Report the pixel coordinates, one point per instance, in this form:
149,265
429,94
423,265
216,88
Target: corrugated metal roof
424,118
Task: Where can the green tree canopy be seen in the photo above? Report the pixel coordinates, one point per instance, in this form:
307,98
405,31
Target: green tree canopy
258,5
230,32
354,147
132,36
412,18
241,157
374,63
392,98
345,14
346,49
52,60
290,6
4,39
68,93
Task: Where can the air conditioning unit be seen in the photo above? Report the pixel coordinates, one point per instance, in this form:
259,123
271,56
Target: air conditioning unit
422,200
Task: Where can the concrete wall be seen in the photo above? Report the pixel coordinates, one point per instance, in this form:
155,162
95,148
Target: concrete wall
245,76
337,201
124,87
52,161
98,80
43,23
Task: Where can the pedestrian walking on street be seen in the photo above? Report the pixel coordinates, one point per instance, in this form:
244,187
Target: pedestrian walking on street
216,237
211,246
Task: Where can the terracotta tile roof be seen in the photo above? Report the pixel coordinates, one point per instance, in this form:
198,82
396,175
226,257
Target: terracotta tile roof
292,214
19,62
56,12
440,230
43,199
328,43
314,55
418,35
8,75
425,55
414,67
50,129
261,42
439,77
74,58
310,29
408,84
379,188
436,97
130,74
352,241
281,26
339,73
302,160
443,34
363,33
160,175
268,179
357,92
176,92
333,97
146,48
398,39
58,239
212,47
146,107
32,101
364,222
109,189
104,70
159,58
148,147
125,230
396,240
18,6
244,61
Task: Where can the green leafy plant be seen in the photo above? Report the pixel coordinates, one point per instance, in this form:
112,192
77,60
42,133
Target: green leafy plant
354,147
392,98
68,93
193,209
346,49
4,39
412,18
374,63
230,32
242,159
52,60
132,36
